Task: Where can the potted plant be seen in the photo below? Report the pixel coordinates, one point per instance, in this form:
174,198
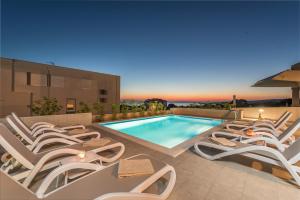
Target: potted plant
124,111
134,111
99,111
83,108
115,109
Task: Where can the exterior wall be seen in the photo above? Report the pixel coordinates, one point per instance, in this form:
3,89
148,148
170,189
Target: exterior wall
61,120
17,96
212,113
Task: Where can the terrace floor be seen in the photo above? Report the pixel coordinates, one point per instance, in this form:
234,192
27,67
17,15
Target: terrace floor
233,178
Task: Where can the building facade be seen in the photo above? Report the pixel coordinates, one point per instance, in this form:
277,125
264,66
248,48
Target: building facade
23,82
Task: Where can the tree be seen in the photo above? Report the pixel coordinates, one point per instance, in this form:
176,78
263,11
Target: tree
148,102
171,105
160,106
83,107
46,106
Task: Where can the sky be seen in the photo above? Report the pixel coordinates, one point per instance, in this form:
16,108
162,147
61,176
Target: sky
178,51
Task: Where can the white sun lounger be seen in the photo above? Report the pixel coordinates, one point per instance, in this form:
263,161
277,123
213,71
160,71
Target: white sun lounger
39,125
101,184
286,159
36,162
263,125
272,122
35,139
284,137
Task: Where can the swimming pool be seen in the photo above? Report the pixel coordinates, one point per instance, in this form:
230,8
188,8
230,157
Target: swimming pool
166,131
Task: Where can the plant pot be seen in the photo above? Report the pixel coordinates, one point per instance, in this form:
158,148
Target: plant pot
107,117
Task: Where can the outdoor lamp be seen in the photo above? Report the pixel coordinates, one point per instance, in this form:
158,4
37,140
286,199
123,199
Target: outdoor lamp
260,111
81,155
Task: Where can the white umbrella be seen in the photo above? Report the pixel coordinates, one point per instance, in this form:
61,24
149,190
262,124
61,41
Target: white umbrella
287,78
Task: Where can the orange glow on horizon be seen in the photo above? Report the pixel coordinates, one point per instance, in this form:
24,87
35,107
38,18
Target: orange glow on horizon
198,98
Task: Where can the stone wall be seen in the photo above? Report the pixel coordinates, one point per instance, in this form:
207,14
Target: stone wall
61,120
270,112
244,113
212,113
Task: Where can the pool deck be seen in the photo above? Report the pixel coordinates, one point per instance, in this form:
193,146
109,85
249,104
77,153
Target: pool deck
201,179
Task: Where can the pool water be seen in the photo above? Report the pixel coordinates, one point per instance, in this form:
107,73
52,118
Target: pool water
167,131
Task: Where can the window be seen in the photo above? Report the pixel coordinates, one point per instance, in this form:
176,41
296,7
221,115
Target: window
103,100
20,79
28,78
71,105
57,81
38,79
86,84
103,92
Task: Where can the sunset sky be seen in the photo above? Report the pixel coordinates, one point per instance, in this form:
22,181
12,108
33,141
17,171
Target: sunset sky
179,51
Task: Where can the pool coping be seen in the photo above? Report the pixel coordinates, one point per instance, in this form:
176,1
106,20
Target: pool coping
174,151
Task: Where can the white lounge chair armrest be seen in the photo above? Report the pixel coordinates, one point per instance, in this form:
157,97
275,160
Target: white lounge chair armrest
152,179
265,125
62,169
129,196
93,133
40,123
39,146
137,192
108,147
265,133
74,127
265,121
271,141
49,156
229,125
40,127
227,134
264,129
48,135
49,129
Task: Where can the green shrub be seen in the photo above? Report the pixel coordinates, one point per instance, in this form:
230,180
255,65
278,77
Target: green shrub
83,108
46,106
124,110
141,109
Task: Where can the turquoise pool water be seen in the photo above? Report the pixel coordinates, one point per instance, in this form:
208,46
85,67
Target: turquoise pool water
167,131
